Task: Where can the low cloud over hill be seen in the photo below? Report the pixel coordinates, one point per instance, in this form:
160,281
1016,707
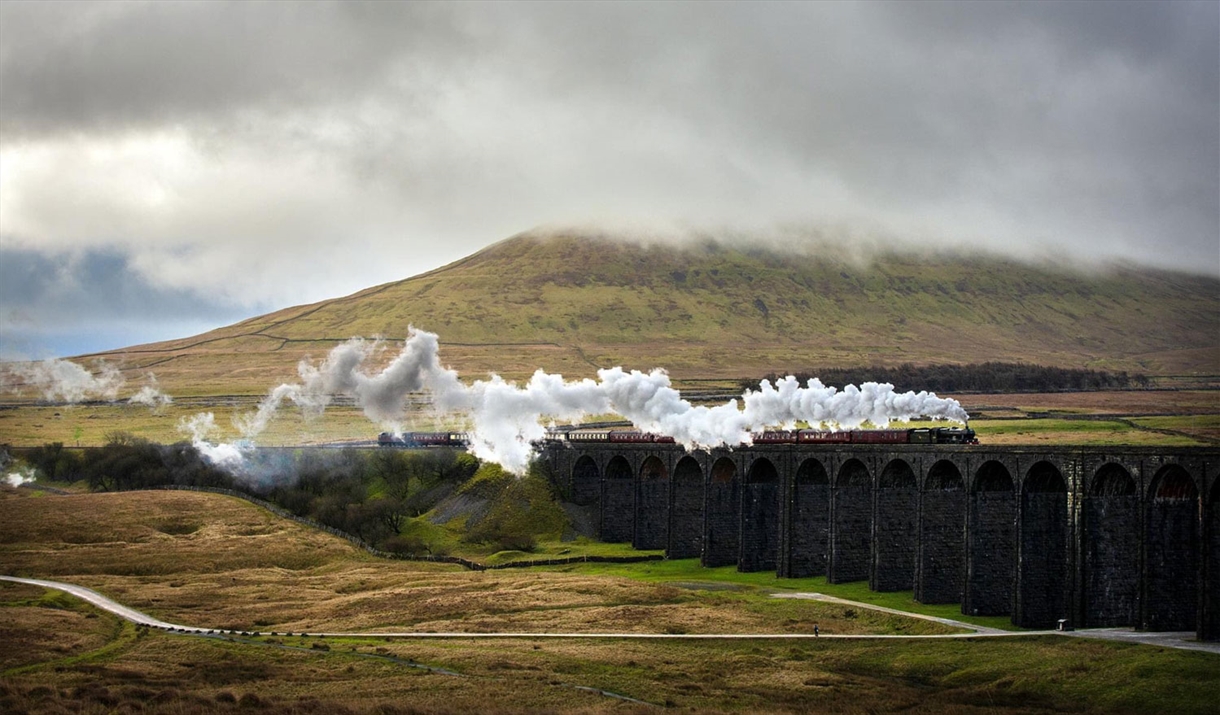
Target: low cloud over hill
572,303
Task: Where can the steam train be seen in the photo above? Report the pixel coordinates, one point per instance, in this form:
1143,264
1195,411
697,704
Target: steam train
421,440
917,435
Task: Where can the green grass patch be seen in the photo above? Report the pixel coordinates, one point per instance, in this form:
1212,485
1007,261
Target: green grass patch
1051,672
1048,424
1180,422
123,635
557,549
1053,430
1205,428
691,574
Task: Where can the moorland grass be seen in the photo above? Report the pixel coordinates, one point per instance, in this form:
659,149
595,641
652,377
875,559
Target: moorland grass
572,304
690,574
1017,676
91,425
238,566
1204,427
173,673
1059,431
45,626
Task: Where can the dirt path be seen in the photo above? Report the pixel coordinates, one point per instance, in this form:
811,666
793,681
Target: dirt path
1184,640
979,630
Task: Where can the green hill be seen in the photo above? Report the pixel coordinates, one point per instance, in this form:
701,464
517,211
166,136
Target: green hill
573,303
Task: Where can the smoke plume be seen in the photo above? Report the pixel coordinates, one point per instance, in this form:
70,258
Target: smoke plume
21,476
150,395
227,456
505,418
65,381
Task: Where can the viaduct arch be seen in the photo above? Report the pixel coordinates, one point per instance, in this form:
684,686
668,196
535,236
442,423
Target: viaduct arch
1097,537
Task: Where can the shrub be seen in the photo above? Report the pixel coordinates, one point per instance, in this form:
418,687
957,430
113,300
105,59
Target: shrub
522,510
405,545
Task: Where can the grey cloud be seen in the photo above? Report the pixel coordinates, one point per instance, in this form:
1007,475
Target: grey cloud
92,284
418,132
74,303
101,66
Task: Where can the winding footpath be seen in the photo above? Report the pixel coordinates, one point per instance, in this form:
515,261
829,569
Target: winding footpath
1182,640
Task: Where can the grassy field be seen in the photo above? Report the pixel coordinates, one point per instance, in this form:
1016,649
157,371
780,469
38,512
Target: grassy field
204,559
89,425
1177,431
1183,417
1038,675
220,562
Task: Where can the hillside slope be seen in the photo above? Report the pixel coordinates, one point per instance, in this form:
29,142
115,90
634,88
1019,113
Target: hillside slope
572,303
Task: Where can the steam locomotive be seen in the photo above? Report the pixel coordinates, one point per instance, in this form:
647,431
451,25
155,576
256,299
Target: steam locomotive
917,435
420,440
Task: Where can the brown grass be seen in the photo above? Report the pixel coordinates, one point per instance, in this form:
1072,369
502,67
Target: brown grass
571,304
29,425
1129,402
208,559
48,626
241,567
176,674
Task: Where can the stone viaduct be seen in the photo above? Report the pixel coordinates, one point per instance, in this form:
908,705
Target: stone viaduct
1122,536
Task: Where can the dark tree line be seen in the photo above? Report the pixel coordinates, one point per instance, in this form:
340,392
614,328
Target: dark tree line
368,493
976,377
125,462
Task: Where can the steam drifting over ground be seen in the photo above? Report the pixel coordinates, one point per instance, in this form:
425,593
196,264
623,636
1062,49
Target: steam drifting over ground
62,380
224,455
67,382
150,395
21,476
505,418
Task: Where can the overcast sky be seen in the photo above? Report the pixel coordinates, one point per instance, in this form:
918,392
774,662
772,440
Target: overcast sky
166,168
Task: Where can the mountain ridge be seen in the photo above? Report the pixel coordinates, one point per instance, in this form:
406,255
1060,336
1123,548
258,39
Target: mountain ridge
571,303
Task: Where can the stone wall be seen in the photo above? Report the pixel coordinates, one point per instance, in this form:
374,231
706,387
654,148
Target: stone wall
992,554
586,482
1171,566
759,526
721,516
1111,560
1042,567
895,529
1209,599
618,502
810,529
942,546
651,505
651,514
686,511
851,533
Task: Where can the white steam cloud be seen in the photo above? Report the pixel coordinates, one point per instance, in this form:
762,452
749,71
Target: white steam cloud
227,456
505,418
151,395
21,476
65,381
